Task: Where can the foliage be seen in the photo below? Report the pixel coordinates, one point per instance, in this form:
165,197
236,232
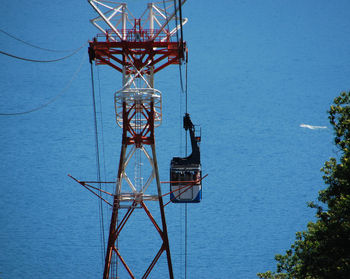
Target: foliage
322,251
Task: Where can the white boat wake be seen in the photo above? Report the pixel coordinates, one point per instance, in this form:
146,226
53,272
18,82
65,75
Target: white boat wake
312,127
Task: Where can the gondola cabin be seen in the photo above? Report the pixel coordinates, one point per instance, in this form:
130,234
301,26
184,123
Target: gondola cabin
186,173
185,183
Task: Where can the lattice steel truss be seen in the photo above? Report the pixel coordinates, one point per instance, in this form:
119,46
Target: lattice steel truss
138,48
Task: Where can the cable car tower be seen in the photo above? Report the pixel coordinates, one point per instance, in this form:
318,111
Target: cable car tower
138,48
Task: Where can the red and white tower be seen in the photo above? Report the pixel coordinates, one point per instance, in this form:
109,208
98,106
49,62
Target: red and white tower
138,48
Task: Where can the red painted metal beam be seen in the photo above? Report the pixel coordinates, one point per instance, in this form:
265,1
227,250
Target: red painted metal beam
153,263
104,50
143,205
104,61
124,263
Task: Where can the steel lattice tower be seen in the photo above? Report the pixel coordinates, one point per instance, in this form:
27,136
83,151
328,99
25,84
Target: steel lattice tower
138,48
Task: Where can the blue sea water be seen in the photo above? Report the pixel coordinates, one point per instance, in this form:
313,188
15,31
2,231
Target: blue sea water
257,71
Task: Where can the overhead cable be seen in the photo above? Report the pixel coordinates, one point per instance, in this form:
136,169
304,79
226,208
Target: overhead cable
103,151
53,98
186,93
35,46
180,41
97,151
41,61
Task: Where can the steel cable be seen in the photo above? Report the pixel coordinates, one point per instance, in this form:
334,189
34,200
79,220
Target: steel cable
103,153
100,207
53,99
35,46
40,61
186,107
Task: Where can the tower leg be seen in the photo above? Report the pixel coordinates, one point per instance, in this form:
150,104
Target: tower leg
136,139
114,218
161,207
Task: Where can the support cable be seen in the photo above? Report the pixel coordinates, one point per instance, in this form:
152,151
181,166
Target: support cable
103,151
186,91
41,61
183,90
35,46
97,160
186,107
186,229
180,42
53,99
181,30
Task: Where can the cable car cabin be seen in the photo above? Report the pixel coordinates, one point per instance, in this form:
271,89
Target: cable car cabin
185,185
186,173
